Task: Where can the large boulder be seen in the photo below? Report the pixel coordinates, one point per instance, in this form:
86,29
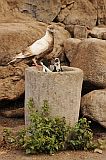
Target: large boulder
98,32
4,7
12,82
71,48
18,112
77,31
80,12
101,4
9,11
93,105
85,12
91,58
45,11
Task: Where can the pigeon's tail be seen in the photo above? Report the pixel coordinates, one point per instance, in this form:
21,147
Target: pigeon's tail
13,61
17,59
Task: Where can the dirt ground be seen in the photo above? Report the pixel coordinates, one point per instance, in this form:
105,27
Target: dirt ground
69,155
16,124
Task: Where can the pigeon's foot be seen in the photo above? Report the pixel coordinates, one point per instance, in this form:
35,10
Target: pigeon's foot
37,67
34,61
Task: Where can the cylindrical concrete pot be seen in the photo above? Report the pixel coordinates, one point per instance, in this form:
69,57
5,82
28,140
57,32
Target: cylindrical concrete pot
62,90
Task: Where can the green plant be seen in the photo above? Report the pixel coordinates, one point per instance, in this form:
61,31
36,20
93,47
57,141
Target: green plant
101,143
48,135
45,134
81,136
8,138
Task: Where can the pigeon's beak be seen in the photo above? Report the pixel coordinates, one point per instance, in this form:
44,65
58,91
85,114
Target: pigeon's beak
52,30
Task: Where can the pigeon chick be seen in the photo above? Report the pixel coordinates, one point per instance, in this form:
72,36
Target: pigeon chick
57,66
38,49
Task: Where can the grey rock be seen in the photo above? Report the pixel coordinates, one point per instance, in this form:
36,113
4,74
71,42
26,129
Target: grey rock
93,105
13,113
91,58
98,32
101,14
81,12
71,48
45,11
12,82
80,32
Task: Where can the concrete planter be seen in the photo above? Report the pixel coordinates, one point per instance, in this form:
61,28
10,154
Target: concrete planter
62,90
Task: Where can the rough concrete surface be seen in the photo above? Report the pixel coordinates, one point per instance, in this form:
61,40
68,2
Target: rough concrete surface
62,90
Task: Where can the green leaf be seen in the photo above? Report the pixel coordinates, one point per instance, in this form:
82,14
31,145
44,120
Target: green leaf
28,151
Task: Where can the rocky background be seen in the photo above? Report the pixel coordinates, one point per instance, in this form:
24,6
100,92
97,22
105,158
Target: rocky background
80,41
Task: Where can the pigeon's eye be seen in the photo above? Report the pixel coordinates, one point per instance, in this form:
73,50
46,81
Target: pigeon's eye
56,60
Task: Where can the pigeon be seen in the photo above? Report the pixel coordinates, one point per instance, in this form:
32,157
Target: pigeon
57,66
38,49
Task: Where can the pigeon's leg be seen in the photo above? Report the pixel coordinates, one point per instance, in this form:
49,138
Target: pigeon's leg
38,67
34,60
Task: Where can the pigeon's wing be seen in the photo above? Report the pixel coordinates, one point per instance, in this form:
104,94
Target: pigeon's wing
36,48
39,47
24,54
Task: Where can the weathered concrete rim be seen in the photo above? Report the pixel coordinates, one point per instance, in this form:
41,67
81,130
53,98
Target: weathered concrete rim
66,70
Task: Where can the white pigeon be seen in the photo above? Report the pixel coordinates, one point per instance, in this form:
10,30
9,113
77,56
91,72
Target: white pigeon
39,48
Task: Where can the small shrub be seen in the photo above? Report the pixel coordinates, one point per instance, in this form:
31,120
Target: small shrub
45,134
101,143
81,136
8,136
48,135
